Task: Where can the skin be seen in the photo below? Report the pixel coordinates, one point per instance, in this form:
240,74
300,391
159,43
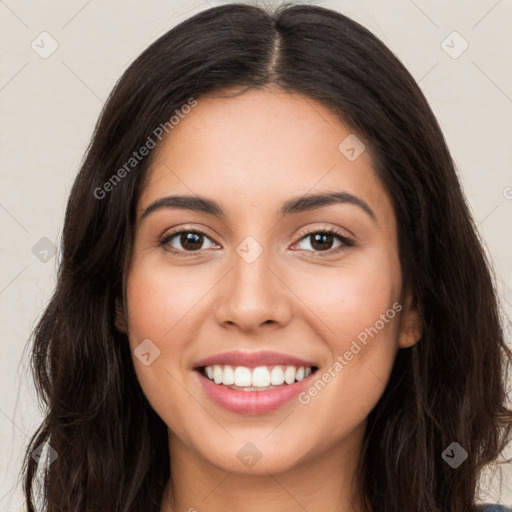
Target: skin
251,153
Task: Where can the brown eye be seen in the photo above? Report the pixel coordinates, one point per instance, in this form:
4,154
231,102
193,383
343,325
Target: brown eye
191,241
323,241
186,241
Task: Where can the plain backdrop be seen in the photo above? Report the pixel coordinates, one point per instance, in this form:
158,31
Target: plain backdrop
49,103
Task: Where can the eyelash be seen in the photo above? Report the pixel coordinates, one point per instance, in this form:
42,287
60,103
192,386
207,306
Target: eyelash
346,242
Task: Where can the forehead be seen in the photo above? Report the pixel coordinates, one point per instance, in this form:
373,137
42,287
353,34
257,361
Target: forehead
260,148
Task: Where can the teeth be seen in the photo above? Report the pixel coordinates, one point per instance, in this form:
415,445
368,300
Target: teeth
217,374
277,376
243,376
229,376
259,377
289,374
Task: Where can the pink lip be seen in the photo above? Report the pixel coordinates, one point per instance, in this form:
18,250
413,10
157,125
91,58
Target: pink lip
252,402
252,360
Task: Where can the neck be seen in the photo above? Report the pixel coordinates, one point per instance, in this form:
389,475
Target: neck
324,482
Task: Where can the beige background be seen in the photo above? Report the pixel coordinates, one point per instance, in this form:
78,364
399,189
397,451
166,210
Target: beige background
49,107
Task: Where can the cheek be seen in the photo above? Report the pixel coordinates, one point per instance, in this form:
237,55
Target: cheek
163,307
161,298
360,305
353,296
160,309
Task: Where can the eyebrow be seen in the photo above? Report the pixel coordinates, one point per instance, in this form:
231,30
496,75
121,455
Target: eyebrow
292,206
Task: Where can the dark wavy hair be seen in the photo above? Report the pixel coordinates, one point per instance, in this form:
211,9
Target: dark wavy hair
449,387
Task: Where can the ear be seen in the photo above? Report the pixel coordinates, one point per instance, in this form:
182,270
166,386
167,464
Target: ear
410,322
120,318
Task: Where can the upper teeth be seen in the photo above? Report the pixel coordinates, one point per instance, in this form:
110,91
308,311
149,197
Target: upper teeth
261,376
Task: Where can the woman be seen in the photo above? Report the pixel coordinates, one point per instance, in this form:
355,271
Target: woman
272,295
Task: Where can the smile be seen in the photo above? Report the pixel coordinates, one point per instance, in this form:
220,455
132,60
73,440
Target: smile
253,383
260,378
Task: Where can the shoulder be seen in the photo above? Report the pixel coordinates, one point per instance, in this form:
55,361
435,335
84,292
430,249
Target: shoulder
494,508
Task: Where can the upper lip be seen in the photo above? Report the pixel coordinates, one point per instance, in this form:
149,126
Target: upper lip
253,359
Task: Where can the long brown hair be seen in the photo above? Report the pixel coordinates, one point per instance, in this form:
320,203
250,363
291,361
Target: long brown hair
450,387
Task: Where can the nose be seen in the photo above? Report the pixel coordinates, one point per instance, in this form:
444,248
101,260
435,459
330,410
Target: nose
253,294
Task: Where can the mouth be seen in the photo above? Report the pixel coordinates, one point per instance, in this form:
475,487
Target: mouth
260,378
256,389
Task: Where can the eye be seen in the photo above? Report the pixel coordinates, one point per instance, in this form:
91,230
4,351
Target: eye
322,241
191,241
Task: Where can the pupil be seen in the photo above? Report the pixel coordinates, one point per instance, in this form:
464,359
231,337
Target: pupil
191,241
318,237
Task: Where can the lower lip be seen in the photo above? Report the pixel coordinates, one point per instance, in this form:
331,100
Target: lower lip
252,402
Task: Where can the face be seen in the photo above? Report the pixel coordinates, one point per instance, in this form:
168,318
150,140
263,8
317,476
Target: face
261,282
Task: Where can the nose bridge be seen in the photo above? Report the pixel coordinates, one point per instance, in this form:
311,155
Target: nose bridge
252,294
251,274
